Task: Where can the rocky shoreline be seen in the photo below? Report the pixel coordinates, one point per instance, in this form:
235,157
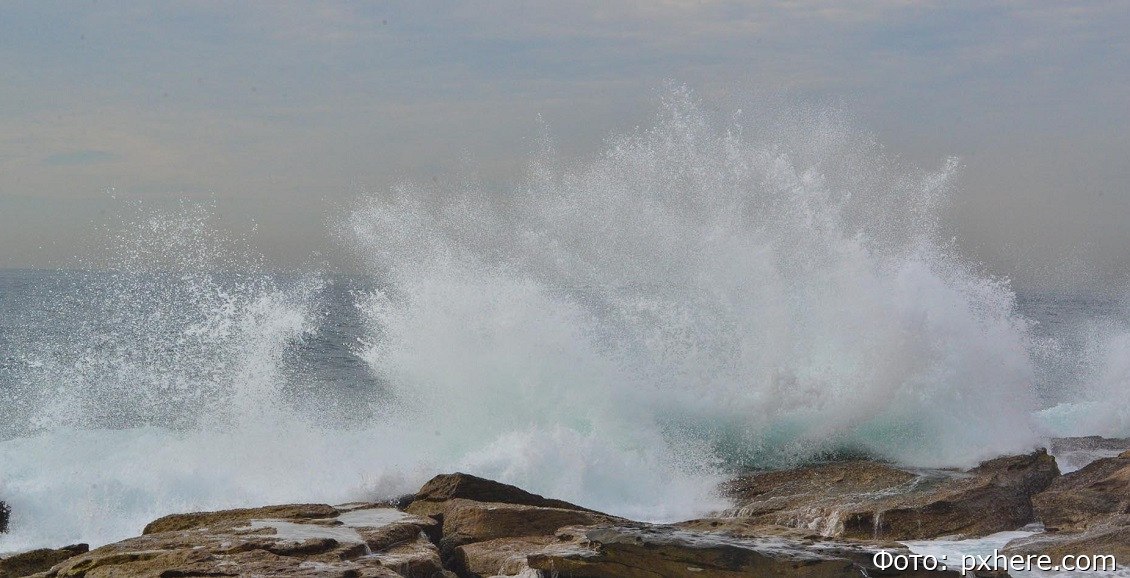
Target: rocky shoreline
819,521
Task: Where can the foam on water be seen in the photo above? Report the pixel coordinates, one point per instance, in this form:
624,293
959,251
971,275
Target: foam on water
618,331
753,294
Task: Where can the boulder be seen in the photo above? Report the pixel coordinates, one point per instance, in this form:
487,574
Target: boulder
361,540
5,512
433,496
504,556
35,561
869,500
488,528
1086,497
466,521
1085,512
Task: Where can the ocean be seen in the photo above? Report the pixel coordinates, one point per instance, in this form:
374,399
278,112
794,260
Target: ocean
624,332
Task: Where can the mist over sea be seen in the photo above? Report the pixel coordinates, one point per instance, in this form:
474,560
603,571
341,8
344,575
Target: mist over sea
702,296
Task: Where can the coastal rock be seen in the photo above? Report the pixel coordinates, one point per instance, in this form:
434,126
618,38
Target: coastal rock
226,518
35,561
1085,512
466,521
447,533
488,528
1087,497
433,497
1111,538
1074,453
869,500
655,551
361,540
5,512
536,537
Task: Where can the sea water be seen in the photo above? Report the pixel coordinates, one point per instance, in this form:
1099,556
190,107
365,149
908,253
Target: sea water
621,330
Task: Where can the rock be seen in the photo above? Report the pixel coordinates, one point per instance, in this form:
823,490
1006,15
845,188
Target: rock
466,521
868,500
1076,452
650,551
495,539
431,497
1085,512
488,527
35,561
492,529
5,512
1086,497
1111,538
360,540
228,517
503,556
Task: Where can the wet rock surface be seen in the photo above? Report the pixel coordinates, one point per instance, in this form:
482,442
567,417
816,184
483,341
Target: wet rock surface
5,512
1087,497
1085,512
35,561
669,551
298,540
869,500
820,521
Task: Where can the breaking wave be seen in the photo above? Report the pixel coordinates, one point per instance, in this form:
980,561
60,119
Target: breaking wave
620,331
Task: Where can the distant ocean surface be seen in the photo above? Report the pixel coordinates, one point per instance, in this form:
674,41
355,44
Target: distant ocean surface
623,332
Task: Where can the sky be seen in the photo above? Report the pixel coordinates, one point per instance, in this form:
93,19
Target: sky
281,113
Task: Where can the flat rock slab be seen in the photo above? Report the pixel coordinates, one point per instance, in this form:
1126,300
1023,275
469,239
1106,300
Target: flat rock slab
1111,539
1086,497
652,551
363,541
875,501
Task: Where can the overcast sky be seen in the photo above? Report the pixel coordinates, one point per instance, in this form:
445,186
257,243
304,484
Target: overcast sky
283,111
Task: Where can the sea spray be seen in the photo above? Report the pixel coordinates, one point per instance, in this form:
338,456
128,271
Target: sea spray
157,383
621,331
755,294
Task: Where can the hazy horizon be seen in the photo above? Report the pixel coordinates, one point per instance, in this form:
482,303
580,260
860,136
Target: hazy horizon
282,114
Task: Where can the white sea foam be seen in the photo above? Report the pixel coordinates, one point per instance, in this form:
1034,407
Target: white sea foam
617,331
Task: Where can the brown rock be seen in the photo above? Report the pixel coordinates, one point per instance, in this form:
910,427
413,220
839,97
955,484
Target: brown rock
501,556
1086,497
509,520
465,521
492,539
1108,539
28,563
868,500
296,540
648,551
227,517
1085,512
429,500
